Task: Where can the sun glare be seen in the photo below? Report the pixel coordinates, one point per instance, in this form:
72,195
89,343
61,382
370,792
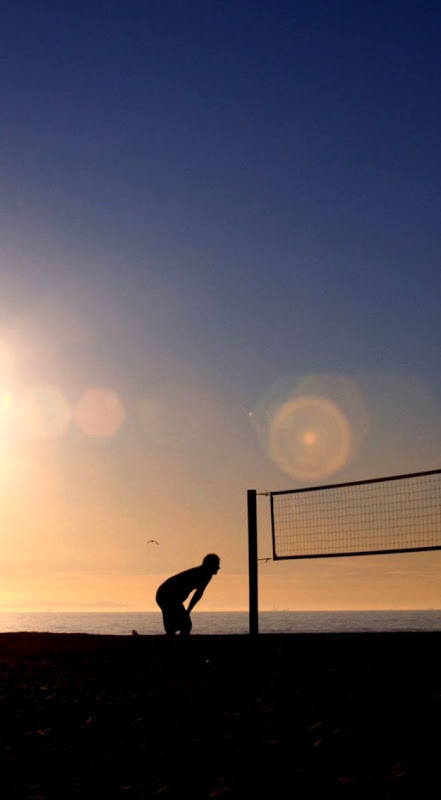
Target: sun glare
43,411
5,401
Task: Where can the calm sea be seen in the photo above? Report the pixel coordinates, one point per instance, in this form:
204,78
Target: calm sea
233,622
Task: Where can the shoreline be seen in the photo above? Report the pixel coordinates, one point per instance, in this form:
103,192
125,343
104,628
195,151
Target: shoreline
219,716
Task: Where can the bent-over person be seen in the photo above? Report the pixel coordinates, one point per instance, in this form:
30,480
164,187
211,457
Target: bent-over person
172,594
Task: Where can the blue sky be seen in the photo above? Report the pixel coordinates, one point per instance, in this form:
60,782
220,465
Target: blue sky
205,205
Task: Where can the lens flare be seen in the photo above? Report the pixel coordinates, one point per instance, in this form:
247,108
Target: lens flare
43,412
100,413
309,437
311,426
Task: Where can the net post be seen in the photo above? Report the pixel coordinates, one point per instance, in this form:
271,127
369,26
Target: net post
252,562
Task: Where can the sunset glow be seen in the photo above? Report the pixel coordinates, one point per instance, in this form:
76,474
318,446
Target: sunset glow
219,271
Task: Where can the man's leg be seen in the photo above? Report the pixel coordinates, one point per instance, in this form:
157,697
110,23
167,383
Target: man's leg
169,620
184,621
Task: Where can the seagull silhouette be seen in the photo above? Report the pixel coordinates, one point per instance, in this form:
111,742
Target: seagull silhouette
152,541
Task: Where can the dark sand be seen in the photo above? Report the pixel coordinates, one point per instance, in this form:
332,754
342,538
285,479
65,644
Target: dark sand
334,715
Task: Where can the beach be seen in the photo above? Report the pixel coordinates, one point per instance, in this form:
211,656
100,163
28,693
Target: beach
335,715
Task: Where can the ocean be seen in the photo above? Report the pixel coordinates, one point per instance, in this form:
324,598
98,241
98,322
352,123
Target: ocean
231,622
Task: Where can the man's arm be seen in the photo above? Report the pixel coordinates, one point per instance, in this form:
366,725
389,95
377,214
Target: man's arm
195,598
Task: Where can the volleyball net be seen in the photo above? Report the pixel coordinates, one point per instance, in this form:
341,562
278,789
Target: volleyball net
400,513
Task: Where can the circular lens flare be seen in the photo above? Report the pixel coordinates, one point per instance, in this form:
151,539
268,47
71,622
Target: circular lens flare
309,437
100,412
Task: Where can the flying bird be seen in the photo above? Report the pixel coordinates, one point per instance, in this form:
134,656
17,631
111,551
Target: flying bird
152,541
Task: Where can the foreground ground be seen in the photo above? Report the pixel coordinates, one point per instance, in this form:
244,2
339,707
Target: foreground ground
335,715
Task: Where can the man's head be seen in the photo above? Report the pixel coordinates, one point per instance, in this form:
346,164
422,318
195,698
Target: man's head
212,563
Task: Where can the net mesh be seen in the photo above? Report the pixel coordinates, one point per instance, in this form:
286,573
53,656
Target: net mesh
384,515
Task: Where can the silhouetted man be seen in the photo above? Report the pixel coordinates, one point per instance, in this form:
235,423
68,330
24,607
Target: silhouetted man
172,593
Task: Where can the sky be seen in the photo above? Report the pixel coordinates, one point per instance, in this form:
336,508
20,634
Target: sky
220,248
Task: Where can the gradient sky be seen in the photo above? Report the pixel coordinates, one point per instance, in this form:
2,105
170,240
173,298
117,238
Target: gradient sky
210,209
